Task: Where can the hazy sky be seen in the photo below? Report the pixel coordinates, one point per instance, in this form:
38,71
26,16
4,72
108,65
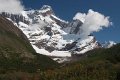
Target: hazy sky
66,9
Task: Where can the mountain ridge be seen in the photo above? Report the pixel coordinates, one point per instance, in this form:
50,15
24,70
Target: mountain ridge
49,34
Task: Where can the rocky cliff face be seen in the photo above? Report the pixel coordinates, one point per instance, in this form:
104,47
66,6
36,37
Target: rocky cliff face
50,35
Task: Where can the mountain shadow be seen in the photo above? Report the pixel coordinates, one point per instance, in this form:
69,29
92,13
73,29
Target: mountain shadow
17,54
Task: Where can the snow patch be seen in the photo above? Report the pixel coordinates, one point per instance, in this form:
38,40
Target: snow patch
54,53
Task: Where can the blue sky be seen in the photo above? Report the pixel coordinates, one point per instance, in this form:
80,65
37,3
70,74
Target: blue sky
66,9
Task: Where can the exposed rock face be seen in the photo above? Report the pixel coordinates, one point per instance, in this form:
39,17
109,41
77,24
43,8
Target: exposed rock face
46,10
74,27
15,18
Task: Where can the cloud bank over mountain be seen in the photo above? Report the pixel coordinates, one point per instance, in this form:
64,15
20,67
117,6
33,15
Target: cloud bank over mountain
11,6
92,22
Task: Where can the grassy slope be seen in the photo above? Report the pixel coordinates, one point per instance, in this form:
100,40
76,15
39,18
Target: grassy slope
16,53
100,64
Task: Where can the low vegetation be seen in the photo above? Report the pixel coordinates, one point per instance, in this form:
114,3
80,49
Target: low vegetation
100,64
18,61
17,54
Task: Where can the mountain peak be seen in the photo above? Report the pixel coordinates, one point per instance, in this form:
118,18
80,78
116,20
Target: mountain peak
46,7
47,10
108,44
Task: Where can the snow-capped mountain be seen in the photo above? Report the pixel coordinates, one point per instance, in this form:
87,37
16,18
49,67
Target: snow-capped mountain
108,44
50,35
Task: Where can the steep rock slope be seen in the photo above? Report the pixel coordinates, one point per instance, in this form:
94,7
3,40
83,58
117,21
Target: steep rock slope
16,53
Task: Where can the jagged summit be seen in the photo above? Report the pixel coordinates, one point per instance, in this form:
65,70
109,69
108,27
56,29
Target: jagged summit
46,7
46,10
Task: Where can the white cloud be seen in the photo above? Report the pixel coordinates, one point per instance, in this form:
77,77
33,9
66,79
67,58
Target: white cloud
11,6
92,22
80,16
